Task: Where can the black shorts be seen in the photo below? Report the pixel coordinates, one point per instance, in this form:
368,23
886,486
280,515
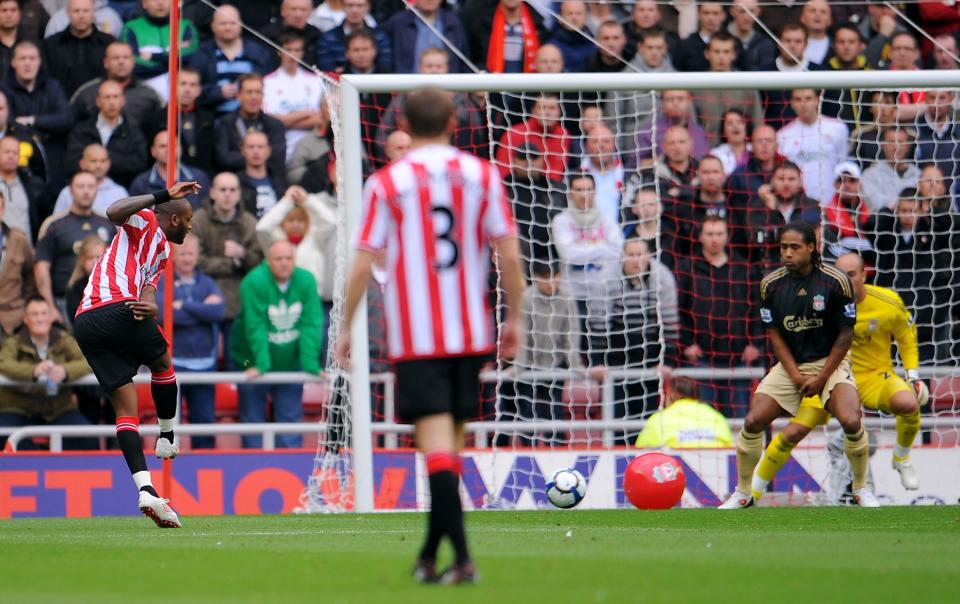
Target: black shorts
116,345
436,386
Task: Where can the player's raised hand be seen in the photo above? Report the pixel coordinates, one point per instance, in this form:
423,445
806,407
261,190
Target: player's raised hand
183,189
143,310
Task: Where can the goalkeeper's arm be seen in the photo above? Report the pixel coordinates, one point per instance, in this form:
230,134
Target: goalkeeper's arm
905,335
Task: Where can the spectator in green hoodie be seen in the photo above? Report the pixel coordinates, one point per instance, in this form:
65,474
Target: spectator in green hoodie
278,329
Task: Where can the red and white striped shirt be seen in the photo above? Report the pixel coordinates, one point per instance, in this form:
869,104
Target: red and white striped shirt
136,258
435,211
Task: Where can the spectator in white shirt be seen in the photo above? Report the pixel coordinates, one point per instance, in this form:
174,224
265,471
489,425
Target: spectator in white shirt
603,165
331,14
292,94
590,245
813,142
882,182
817,19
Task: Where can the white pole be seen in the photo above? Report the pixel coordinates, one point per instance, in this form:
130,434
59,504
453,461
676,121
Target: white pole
359,346
736,80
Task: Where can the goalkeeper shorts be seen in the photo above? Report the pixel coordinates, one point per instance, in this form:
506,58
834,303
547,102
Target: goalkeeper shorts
878,387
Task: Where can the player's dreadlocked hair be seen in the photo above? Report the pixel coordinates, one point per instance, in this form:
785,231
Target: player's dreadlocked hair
809,236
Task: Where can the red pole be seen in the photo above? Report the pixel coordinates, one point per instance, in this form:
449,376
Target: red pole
173,106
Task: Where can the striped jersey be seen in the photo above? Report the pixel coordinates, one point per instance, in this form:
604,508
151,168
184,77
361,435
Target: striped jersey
435,212
136,258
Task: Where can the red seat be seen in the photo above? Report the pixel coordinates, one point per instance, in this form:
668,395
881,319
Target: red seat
316,395
225,400
945,394
145,407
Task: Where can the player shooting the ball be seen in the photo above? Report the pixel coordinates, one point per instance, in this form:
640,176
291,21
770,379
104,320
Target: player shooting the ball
116,327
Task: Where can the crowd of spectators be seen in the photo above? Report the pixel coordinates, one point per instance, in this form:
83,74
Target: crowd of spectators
647,219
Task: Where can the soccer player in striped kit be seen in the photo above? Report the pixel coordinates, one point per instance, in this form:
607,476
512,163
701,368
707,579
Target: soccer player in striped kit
117,329
437,212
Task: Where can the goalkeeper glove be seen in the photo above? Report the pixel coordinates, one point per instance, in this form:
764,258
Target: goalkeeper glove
919,387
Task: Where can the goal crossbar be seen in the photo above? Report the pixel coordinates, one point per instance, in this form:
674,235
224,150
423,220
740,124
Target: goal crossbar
734,80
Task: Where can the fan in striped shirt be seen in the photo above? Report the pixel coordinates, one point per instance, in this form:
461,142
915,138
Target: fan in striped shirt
117,329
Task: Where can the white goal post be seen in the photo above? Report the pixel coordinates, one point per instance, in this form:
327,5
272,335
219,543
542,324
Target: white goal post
352,86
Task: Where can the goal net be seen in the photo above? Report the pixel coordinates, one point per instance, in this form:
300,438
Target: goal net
647,219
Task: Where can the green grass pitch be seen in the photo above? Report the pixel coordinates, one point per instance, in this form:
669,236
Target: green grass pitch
808,555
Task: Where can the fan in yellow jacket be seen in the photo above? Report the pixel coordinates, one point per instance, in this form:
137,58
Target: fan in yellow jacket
882,318
685,423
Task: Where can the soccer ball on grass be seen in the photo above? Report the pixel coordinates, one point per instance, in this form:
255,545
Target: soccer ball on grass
567,488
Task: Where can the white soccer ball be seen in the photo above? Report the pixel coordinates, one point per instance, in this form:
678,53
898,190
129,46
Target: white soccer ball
567,488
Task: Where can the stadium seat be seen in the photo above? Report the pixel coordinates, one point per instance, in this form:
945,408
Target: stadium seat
145,408
316,395
945,394
225,401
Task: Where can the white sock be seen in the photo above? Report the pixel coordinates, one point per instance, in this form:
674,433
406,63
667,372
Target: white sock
167,425
759,485
901,453
142,479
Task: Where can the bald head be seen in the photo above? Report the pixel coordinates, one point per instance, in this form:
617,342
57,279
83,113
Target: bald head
851,264
280,260
850,261
226,24
549,59
175,206
110,99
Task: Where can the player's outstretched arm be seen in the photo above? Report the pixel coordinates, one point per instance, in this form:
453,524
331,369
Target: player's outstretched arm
121,211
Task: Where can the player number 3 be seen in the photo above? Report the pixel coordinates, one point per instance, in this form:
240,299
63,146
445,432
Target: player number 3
448,251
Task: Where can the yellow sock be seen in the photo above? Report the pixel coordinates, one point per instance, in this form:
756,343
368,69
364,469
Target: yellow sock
774,458
749,450
857,447
907,428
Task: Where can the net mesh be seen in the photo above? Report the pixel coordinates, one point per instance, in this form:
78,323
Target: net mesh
690,191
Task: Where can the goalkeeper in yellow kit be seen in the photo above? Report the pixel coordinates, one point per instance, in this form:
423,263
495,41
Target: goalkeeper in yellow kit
882,319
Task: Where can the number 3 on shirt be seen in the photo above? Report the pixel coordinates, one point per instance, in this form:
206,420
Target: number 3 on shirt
447,248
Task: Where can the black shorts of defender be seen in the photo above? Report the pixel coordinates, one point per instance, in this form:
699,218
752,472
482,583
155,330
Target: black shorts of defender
436,386
116,345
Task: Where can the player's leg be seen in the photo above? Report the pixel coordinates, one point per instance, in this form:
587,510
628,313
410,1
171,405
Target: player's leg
763,410
165,393
810,415
425,396
844,404
124,400
436,437
110,340
902,402
776,395
465,397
